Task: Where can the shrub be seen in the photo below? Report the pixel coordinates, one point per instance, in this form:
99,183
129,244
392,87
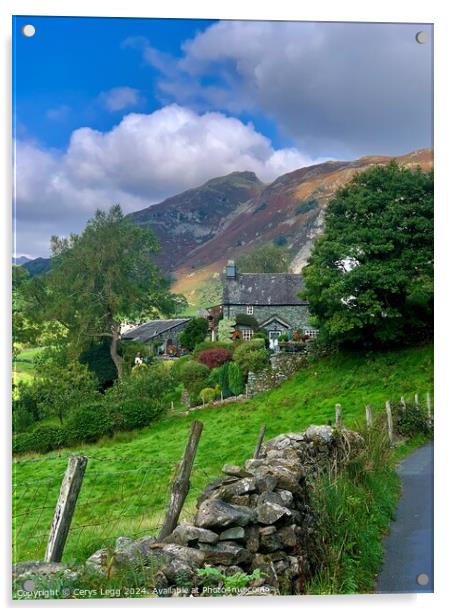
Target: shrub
194,377
411,420
194,333
98,359
235,378
207,395
89,422
209,344
225,329
306,206
139,399
42,440
213,358
251,356
219,378
247,320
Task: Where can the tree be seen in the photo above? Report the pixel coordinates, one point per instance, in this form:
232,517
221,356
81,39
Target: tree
235,378
24,330
195,332
251,356
100,279
369,280
265,258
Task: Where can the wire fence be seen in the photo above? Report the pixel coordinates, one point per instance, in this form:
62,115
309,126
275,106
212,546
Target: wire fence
120,496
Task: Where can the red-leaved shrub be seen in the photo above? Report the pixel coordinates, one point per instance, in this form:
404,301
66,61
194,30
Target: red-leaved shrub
212,358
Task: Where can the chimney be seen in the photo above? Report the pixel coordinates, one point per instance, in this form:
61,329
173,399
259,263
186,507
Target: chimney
231,270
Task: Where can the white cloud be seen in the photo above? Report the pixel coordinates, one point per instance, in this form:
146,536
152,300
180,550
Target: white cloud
333,87
142,160
120,98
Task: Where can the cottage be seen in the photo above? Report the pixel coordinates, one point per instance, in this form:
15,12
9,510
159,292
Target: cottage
161,335
272,299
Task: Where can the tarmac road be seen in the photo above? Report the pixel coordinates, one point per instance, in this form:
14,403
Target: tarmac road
409,546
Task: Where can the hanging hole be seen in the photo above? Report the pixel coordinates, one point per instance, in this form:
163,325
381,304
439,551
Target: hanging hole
28,30
421,37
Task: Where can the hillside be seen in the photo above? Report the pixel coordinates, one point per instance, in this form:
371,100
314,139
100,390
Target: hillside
126,484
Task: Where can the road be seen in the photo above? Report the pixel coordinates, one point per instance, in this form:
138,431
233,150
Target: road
409,546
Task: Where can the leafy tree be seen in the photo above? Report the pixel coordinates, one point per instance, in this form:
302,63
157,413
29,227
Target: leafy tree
251,356
195,332
100,279
265,258
194,377
24,330
369,279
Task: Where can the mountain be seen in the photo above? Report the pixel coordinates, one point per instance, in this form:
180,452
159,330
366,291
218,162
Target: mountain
201,228
37,266
20,260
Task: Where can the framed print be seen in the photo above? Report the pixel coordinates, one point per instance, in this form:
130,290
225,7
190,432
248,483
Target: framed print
222,308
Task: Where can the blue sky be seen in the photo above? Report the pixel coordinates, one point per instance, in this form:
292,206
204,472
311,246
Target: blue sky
135,110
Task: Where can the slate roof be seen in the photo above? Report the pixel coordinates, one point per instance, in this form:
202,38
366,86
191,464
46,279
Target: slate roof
152,329
263,290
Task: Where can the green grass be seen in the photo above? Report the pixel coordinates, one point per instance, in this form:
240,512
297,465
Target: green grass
23,368
126,484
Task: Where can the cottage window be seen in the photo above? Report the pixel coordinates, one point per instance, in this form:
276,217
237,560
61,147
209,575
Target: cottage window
312,333
247,334
250,310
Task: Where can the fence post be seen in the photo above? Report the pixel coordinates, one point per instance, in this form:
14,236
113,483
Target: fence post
338,416
416,400
368,416
429,405
65,507
389,417
181,484
260,438
403,403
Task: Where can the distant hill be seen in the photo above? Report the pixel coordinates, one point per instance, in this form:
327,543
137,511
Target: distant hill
20,260
37,266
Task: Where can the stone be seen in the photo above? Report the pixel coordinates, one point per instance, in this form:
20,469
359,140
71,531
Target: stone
179,572
252,538
288,535
253,464
218,514
186,534
286,497
264,563
270,497
267,530
268,512
225,553
320,433
181,552
242,486
235,532
243,500
266,483
234,470
270,542
98,561
212,488
122,543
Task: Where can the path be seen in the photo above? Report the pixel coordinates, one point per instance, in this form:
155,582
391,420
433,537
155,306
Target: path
409,546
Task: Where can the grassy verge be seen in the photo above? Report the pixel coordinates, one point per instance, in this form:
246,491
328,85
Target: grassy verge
23,369
125,490
354,511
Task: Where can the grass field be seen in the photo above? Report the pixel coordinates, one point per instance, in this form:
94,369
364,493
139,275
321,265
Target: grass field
23,369
126,483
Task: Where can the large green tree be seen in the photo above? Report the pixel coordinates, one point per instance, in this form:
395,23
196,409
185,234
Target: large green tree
100,279
265,258
369,279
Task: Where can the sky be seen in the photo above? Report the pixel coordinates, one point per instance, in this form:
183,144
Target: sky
132,111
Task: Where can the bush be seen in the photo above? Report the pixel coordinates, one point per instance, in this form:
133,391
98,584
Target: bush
411,420
207,395
194,333
213,358
42,440
251,356
219,377
194,377
140,398
98,359
235,378
89,423
209,344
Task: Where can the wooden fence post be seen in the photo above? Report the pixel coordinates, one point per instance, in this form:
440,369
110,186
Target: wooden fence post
181,484
416,400
429,405
368,416
338,416
389,417
65,507
260,438
403,403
